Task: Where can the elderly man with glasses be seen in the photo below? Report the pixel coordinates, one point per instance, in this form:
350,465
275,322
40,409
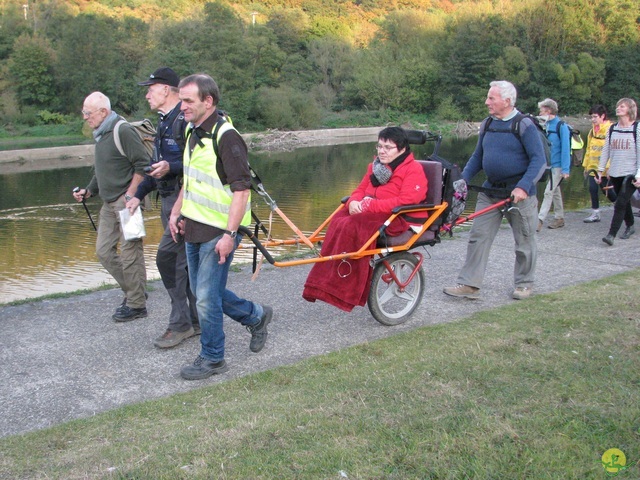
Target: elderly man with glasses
116,178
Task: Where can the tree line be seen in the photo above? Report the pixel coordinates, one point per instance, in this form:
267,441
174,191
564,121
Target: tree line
305,59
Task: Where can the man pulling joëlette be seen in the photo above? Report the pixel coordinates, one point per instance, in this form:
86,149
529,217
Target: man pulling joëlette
215,200
513,163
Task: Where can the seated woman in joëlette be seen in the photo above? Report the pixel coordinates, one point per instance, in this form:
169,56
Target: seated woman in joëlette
394,178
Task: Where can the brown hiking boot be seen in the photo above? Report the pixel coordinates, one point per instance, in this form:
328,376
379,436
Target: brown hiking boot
539,227
171,339
464,291
557,223
520,293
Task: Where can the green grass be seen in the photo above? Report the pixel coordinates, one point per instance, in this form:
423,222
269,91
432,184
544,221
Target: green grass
538,389
18,137
53,296
21,143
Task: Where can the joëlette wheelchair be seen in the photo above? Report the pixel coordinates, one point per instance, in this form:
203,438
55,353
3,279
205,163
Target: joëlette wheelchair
398,281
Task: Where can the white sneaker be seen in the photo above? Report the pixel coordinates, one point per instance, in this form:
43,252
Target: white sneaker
593,218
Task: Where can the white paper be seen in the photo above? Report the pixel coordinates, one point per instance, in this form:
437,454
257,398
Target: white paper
132,225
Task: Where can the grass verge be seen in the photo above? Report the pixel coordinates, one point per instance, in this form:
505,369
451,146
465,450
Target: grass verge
75,293
20,143
537,389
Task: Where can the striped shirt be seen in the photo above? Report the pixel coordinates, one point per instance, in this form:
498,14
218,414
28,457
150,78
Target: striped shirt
623,150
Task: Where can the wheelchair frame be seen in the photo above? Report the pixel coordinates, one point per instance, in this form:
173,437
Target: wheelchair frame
397,285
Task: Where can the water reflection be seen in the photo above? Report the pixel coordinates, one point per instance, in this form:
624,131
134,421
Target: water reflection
48,242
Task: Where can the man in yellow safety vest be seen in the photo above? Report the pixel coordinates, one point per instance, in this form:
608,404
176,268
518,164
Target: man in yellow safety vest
214,201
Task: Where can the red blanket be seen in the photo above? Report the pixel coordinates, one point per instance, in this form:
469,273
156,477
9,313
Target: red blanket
346,283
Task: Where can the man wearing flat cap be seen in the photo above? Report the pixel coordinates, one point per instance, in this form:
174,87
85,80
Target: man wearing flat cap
166,176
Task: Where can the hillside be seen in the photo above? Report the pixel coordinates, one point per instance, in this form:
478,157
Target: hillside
305,64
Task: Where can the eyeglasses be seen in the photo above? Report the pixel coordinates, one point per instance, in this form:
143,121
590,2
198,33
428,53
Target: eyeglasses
385,148
86,113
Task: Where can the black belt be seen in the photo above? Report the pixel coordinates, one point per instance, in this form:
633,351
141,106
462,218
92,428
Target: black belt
167,187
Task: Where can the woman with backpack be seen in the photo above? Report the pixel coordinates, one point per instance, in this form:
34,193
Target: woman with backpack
622,150
595,141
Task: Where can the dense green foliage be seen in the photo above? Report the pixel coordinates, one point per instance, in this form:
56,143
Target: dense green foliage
288,64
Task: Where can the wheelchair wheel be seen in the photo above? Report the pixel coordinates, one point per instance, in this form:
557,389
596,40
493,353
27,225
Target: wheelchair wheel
388,302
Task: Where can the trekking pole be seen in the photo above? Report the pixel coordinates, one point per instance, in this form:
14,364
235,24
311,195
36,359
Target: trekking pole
86,209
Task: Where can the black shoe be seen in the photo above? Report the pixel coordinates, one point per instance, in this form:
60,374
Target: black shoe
122,306
259,331
124,302
608,239
203,368
628,232
126,314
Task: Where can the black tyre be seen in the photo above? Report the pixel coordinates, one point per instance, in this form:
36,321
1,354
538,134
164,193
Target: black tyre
388,303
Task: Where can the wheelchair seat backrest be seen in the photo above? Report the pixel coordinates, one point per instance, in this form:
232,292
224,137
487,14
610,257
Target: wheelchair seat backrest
433,172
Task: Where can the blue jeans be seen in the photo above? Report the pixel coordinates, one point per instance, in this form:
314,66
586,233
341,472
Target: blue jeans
208,280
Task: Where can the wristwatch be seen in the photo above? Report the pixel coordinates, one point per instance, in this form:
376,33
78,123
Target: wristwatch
127,197
231,233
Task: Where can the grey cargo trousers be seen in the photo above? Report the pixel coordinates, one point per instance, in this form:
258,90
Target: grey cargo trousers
523,218
171,260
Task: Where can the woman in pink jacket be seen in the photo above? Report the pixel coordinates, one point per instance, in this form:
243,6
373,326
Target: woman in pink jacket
394,178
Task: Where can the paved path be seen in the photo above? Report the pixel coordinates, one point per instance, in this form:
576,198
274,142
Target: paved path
65,359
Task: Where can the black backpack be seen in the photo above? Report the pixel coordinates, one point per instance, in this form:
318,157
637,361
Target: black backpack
450,173
613,129
515,130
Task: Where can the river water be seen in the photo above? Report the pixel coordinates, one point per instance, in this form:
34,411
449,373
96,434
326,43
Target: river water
48,243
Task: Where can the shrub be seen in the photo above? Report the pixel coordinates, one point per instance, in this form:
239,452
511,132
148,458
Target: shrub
49,118
286,108
447,110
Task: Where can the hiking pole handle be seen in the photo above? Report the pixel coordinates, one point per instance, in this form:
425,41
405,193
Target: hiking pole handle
86,209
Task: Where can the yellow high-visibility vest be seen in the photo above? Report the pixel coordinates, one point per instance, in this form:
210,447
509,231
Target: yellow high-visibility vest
205,198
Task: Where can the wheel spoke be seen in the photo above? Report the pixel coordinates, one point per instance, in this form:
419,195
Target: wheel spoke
389,294
409,297
387,302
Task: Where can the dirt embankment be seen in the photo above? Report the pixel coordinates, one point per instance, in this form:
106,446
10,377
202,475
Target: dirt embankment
18,161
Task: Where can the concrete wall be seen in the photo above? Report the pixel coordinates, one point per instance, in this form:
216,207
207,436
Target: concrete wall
13,161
